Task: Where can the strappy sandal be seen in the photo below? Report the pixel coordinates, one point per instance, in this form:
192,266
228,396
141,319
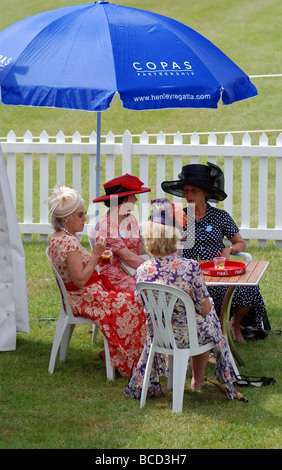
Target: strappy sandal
274,331
247,381
250,333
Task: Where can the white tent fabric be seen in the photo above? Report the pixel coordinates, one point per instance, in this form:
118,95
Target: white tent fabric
14,314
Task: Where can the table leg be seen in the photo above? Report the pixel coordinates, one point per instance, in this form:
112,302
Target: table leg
225,317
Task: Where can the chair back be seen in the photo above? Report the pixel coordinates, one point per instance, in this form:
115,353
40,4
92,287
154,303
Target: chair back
243,254
160,301
63,291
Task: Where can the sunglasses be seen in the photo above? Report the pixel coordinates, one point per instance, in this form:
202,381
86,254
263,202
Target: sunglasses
81,214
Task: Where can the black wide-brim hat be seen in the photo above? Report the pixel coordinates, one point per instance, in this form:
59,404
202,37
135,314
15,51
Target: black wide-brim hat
208,177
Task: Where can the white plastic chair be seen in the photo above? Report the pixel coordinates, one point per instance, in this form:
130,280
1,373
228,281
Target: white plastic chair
243,254
160,307
65,327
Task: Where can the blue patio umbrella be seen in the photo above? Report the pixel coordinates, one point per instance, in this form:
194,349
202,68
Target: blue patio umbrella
79,57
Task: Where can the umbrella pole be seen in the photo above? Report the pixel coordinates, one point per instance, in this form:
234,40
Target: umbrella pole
98,154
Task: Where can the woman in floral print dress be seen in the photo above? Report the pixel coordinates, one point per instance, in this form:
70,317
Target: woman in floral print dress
121,230
166,267
91,295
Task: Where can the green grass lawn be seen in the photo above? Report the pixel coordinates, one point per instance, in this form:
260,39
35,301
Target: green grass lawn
76,407
248,32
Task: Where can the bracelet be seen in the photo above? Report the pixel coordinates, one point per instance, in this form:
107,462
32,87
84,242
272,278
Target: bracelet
231,249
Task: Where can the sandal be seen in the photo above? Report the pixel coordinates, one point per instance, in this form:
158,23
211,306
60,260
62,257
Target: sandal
254,333
248,334
245,381
274,331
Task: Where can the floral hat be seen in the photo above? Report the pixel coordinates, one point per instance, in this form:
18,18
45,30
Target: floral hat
165,212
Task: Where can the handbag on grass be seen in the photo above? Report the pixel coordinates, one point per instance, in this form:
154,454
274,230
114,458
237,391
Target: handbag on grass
128,269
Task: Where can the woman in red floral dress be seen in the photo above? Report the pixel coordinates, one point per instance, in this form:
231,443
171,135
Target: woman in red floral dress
91,295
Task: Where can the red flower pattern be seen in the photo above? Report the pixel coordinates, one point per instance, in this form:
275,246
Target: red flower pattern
119,317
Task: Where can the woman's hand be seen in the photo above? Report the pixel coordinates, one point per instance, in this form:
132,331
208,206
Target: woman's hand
79,273
99,247
130,258
207,305
226,252
238,244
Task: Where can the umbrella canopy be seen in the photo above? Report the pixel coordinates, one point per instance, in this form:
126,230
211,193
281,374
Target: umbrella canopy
79,57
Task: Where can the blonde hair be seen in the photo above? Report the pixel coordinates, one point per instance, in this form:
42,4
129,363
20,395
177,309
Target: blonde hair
160,239
62,203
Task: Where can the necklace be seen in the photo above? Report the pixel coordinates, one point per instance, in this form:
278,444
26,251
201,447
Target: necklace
200,214
68,233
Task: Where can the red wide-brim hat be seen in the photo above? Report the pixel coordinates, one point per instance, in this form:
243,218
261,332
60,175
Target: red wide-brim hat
122,186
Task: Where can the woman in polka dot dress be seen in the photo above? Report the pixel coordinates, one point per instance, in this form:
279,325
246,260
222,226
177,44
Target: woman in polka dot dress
203,238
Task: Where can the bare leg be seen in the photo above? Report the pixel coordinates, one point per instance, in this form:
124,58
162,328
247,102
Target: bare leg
198,368
236,321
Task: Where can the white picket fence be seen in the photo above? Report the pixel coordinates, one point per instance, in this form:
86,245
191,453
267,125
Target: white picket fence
253,173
